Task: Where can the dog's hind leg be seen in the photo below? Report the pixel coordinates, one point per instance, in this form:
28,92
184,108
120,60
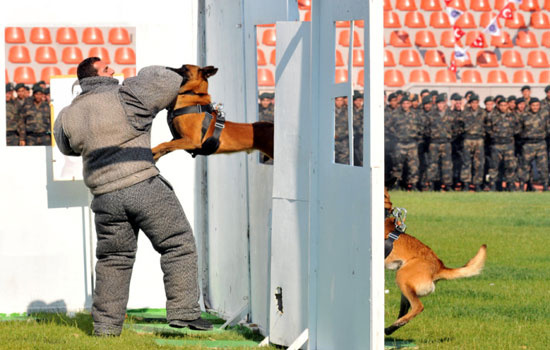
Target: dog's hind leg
413,301
405,306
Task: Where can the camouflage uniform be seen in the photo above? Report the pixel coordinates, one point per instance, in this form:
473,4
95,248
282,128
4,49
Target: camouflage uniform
545,104
533,132
471,124
456,146
501,128
266,115
341,137
407,129
423,146
389,141
357,136
37,119
441,130
14,125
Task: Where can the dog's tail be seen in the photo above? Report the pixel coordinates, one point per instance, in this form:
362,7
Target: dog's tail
472,268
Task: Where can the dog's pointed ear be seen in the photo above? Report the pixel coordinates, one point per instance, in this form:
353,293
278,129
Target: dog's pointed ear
209,71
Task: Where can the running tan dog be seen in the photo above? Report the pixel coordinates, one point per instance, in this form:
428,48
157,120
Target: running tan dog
418,268
200,129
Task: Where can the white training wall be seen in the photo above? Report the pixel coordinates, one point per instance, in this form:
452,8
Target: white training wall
45,229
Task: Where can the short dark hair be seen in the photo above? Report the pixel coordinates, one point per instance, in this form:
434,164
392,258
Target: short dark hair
86,68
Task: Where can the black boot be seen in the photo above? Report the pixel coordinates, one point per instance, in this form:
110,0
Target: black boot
544,187
492,186
510,187
466,187
478,188
522,187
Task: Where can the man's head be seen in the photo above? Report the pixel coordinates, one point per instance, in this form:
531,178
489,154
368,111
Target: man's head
520,104
441,103
427,103
38,94
9,91
489,103
357,99
392,100
512,102
21,90
415,101
456,101
265,99
534,104
474,101
526,91
405,103
424,92
503,105
339,102
92,67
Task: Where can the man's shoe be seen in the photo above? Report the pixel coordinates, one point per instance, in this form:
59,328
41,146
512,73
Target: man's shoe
466,187
199,324
478,188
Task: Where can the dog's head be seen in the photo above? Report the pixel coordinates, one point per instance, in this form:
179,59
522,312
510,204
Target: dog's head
195,78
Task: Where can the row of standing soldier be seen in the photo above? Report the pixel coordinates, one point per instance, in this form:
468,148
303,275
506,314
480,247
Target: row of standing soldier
441,147
28,118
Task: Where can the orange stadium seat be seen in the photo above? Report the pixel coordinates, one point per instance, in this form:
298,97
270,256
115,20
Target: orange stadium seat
391,20
7,76
539,20
430,5
260,58
409,58
512,59
304,4
358,58
100,52
360,23
45,54
499,4
445,76
448,39
343,38
361,77
435,58
19,54
342,24
537,59
457,4
487,17
415,19
307,17
393,78
48,72
544,77
269,37
339,59
425,38
265,77
462,63
129,72
72,71
71,55
471,76
266,25
14,35
440,20
341,76
529,5
503,40
419,76
472,36
546,5
66,36
125,55
273,57
497,77
119,36
24,75
523,77
387,5
545,41
480,5
467,20
400,38
40,35
516,22
486,58
388,59
526,39
92,36
405,5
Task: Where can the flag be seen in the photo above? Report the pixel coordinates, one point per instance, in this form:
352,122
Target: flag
453,14
506,12
459,33
493,28
479,42
460,53
447,2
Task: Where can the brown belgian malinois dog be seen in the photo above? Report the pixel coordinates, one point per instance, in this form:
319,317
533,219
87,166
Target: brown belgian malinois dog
200,129
418,268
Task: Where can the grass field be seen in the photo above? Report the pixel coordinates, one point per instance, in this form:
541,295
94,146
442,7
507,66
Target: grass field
508,305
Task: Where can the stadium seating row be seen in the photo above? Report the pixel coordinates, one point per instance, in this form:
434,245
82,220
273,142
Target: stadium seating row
67,36
27,75
69,55
475,5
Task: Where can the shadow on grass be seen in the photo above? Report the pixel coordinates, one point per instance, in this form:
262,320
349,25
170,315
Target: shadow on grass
81,321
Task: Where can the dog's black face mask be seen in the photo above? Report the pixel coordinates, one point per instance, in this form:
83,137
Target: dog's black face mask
183,71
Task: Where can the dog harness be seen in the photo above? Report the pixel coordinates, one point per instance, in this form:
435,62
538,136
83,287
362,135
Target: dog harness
400,215
211,144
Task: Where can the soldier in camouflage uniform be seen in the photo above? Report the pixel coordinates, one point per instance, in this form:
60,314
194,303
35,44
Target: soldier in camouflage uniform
423,143
471,125
357,128
341,135
37,118
545,103
501,127
266,112
389,139
408,129
456,144
534,128
14,123
441,131
526,92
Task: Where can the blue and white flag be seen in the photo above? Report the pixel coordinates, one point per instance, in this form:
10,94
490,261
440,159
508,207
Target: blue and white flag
460,53
453,14
493,28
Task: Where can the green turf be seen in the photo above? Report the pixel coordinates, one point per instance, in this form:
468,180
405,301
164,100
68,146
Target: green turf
506,307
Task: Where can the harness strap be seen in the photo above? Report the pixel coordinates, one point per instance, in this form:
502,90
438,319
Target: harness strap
388,242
